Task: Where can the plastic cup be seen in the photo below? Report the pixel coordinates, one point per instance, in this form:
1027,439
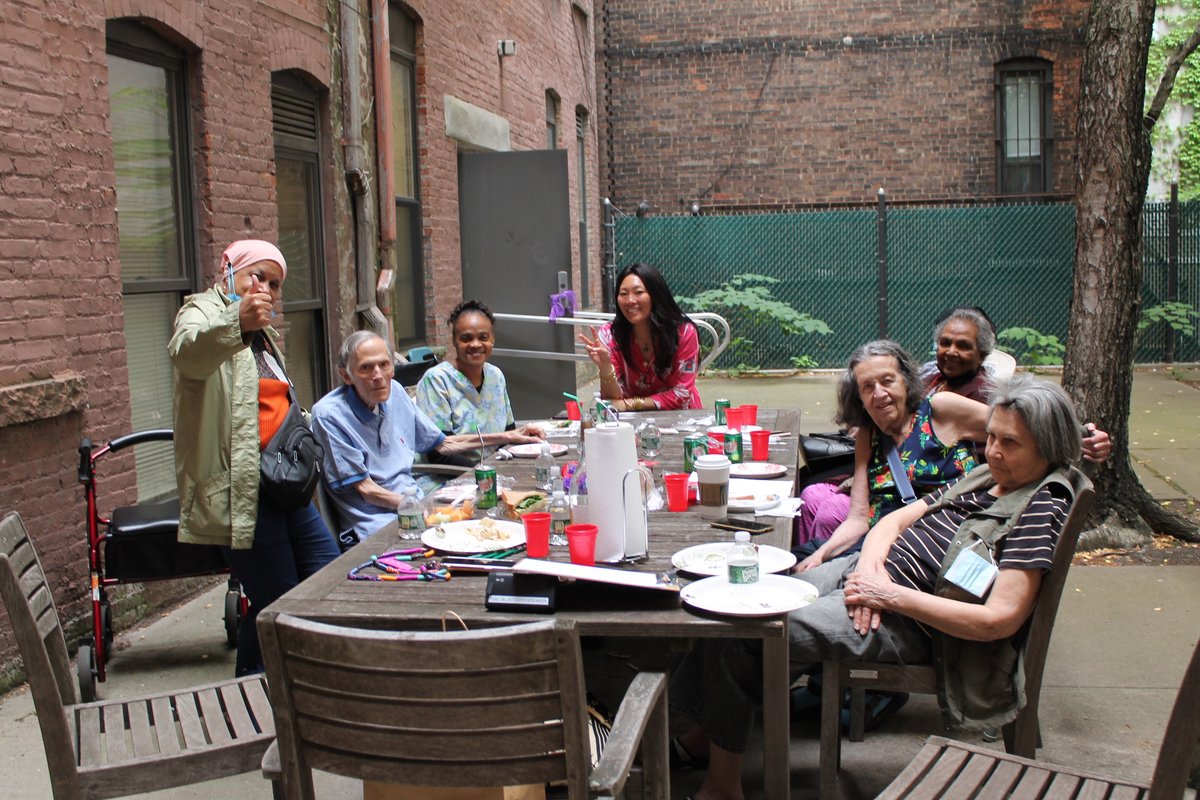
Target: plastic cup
712,473
733,419
760,445
537,533
716,443
677,490
581,542
572,409
749,414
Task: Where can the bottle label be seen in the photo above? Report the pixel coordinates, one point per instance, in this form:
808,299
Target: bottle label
742,572
411,521
651,442
558,525
542,475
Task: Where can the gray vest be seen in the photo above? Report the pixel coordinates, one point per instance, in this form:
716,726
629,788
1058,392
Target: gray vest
982,684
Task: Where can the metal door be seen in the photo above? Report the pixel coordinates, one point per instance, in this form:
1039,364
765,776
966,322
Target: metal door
514,222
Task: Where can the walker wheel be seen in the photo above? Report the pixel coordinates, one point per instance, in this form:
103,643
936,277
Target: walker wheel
233,617
86,669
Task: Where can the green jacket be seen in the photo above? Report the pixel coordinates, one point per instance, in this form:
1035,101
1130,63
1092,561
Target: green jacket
982,684
216,422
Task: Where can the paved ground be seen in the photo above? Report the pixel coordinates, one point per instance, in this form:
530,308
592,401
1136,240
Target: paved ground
1123,638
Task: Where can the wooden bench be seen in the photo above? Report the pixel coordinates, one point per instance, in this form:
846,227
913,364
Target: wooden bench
120,747
945,768
1021,736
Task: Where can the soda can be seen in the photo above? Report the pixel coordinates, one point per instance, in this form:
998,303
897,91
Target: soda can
694,445
719,411
485,484
733,447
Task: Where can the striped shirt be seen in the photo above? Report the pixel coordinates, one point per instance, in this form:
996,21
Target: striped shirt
916,556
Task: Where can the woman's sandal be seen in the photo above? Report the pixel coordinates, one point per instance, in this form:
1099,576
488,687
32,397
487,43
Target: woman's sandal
681,759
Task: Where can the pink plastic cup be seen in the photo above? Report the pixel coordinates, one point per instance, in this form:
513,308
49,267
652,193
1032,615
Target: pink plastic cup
581,542
537,533
734,419
677,490
760,444
749,414
716,443
572,409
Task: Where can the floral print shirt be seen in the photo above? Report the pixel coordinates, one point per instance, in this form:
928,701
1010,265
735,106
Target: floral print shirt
638,378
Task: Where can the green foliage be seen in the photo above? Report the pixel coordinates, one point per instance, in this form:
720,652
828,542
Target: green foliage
805,362
1180,20
746,302
1176,315
1040,349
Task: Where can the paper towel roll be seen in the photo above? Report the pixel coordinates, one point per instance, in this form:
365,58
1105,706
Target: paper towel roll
610,452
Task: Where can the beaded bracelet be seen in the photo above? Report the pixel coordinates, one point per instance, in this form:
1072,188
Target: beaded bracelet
394,565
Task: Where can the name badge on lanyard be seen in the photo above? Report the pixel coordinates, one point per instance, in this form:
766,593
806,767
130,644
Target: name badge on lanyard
973,570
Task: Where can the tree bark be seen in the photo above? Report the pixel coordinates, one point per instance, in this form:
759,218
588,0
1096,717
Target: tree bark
1112,170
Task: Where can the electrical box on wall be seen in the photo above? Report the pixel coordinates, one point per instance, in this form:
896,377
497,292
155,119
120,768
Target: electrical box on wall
506,47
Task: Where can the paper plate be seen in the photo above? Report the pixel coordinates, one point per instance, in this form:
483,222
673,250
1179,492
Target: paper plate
559,428
770,596
533,450
470,536
753,502
709,559
757,469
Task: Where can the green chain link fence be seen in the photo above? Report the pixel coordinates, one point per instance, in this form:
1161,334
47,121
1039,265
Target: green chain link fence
1015,261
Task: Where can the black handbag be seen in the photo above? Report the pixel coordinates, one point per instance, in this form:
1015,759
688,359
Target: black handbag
291,461
827,457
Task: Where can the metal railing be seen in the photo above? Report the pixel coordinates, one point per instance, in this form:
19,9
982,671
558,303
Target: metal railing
711,327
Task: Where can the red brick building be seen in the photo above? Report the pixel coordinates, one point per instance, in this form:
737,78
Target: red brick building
763,104
141,136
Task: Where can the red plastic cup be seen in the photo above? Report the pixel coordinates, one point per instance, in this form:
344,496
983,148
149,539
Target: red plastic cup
581,542
733,419
760,445
749,414
716,442
572,409
677,490
537,533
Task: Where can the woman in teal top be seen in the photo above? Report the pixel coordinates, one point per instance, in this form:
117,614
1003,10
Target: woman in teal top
466,394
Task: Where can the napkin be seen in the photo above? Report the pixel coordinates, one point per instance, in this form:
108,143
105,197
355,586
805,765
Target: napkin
788,507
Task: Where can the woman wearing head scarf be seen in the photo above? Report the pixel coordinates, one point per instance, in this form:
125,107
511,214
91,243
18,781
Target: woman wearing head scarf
231,396
649,354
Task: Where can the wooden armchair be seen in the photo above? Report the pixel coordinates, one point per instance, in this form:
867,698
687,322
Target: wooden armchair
945,768
494,707
120,747
1021,736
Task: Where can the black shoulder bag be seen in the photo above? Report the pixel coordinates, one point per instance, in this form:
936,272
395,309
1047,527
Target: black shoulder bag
291,461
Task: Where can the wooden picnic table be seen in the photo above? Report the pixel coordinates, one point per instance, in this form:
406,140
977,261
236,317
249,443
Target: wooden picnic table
329,596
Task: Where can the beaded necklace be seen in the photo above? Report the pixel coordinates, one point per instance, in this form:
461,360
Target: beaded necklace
397,566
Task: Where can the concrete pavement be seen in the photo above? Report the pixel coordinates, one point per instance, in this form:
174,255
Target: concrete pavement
1123,638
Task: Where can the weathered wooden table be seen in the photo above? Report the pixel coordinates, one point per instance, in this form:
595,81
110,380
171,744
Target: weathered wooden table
329,597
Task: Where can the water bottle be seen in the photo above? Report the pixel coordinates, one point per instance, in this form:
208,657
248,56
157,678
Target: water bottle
649,439
410,515
544,468
560,517
742,559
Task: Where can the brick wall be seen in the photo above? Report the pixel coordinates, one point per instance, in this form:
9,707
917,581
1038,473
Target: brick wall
765,103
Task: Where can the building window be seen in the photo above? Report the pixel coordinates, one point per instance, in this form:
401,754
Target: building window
551,120
1024,90
408,286
296,128
148,110
581,172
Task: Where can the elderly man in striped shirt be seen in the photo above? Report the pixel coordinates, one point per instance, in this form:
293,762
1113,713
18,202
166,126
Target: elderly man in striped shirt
958,570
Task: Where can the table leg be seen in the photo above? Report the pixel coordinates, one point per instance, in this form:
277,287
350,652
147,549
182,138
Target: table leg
776,718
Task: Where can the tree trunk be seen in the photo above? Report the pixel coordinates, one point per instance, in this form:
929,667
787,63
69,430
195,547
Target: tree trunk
1112,169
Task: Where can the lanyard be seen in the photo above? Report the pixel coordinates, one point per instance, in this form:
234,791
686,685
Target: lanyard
397,566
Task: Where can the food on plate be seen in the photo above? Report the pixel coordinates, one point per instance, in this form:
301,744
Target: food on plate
518,503
440,515
485,530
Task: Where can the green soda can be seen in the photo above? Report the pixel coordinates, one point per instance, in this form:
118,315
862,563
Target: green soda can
485,484
694,445
719,411
733,446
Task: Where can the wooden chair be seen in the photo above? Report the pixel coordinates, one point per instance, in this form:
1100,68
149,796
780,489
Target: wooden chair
945,768
499,706
1021,736
120,747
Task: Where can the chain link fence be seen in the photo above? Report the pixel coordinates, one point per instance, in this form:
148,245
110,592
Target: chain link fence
891,271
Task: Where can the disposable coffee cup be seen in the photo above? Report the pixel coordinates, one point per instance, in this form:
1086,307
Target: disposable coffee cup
712,474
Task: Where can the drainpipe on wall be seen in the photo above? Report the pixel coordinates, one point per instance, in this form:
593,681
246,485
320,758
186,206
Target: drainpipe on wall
381,53
358,174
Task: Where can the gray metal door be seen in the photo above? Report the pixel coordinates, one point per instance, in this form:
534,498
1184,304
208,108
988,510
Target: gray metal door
514,222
